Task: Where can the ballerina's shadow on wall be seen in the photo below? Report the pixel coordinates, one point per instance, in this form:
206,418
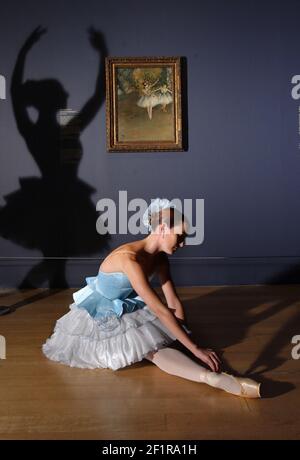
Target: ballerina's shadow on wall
53,213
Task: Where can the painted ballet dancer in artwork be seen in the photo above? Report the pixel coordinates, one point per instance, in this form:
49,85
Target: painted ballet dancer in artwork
164,97
148,99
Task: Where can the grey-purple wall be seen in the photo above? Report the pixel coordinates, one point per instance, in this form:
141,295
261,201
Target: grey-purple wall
243,155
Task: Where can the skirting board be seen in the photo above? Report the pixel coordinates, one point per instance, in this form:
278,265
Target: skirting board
205,271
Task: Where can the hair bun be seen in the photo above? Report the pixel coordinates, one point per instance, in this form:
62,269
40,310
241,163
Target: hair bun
156,205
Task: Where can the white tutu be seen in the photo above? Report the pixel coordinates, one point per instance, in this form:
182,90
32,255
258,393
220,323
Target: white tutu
164,98
148,101
79,340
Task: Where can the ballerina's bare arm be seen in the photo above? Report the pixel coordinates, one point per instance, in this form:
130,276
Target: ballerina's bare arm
153,84
141,285
168,287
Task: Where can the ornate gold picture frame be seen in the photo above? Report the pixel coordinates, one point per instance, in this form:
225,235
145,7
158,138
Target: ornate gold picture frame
143,104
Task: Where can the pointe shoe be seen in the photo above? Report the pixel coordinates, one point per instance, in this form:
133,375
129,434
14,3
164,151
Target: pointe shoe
249,388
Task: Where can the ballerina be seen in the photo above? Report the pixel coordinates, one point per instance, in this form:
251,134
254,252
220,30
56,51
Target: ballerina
165,97
149,98
117,319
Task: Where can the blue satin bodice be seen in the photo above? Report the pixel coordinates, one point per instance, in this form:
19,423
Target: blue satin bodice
108,294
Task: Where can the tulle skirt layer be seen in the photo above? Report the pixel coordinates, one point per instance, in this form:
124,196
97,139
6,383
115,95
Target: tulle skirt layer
81,341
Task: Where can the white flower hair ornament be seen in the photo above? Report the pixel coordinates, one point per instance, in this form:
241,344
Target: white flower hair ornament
155,206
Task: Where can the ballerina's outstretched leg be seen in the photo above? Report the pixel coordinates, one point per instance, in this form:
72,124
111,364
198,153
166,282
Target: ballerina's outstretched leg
177,363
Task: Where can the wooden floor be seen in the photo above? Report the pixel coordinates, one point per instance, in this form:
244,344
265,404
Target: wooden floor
252,326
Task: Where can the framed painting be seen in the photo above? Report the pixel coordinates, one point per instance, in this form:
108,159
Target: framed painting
143,104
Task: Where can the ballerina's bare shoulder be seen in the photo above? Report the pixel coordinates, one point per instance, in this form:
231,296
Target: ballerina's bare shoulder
114,262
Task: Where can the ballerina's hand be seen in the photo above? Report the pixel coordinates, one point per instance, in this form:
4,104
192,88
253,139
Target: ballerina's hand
209,357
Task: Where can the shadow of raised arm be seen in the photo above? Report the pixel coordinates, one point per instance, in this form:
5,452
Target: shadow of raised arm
91,107
18,95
